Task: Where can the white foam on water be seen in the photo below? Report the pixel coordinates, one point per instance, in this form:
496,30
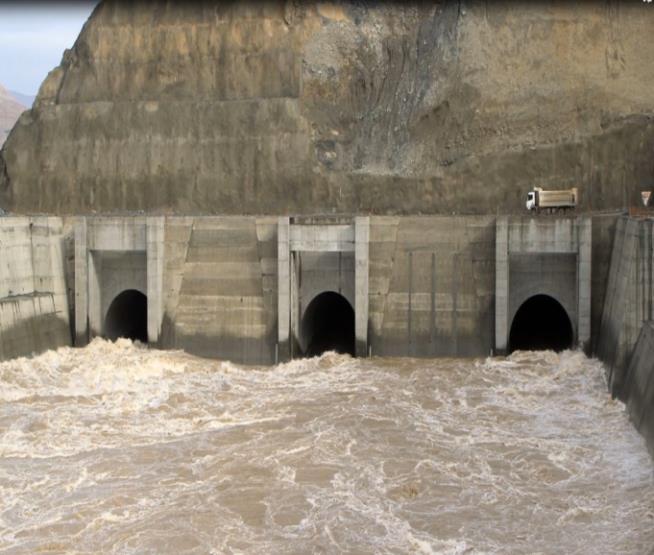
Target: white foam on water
117,448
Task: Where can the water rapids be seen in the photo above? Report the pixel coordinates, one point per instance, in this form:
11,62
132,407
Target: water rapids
117,448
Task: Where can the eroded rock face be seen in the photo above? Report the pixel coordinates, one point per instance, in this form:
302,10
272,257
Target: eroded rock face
287,107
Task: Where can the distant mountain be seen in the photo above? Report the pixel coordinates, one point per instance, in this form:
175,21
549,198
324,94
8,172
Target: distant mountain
10,110
24,99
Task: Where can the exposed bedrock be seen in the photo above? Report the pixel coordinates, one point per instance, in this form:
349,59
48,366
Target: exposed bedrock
287,107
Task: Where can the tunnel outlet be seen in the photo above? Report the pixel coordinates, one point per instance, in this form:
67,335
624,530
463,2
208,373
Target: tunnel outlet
328,325
541,323
128,317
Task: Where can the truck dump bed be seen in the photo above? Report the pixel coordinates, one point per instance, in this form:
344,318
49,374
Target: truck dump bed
555,199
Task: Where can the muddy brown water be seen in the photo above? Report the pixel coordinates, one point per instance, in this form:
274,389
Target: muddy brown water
116,448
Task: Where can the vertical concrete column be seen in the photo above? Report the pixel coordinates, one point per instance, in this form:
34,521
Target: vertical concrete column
94,265
57,267
154,240
585,230
650,255
501,284
361,272
283,289
81,284
295,263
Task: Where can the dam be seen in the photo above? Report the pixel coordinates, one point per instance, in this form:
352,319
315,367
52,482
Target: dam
405,445
260,290
268,282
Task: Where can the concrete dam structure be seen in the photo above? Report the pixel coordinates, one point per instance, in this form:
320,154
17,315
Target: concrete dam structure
260,290
262,181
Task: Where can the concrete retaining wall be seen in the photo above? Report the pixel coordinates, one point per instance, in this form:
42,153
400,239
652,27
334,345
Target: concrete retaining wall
639,383
34,313
628,302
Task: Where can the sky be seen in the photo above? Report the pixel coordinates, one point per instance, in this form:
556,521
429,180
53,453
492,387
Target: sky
33,37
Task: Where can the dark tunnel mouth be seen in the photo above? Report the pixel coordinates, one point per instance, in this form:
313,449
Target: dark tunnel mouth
328,325
128,317
540,323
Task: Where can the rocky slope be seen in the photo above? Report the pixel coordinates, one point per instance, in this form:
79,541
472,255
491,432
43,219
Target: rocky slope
277,107
10,110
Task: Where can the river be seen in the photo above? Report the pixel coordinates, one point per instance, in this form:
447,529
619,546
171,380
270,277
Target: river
116,448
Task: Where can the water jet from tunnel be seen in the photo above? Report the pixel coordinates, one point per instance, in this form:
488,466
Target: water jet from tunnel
128,317
328,325
541,323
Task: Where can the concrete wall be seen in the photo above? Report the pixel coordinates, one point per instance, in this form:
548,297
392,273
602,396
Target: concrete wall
604,226
34,314
431,285
639,383
628,302
428,281
220,287
420,286
212,282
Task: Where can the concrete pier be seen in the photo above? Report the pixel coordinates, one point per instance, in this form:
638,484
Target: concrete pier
361,280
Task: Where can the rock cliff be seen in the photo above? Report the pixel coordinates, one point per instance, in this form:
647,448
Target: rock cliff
10,110
278,107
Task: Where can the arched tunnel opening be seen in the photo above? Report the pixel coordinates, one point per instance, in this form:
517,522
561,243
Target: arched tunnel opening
128,317
328,325
541,323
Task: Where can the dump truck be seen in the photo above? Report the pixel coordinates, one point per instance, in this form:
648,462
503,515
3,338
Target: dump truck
540,199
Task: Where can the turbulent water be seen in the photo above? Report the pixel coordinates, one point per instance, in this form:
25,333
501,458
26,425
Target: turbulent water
119,449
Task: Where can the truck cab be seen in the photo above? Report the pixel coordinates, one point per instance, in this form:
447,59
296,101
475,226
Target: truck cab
531,200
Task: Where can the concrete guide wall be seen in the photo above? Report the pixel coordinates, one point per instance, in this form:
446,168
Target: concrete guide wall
628,302
34,314
604,226
639,383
